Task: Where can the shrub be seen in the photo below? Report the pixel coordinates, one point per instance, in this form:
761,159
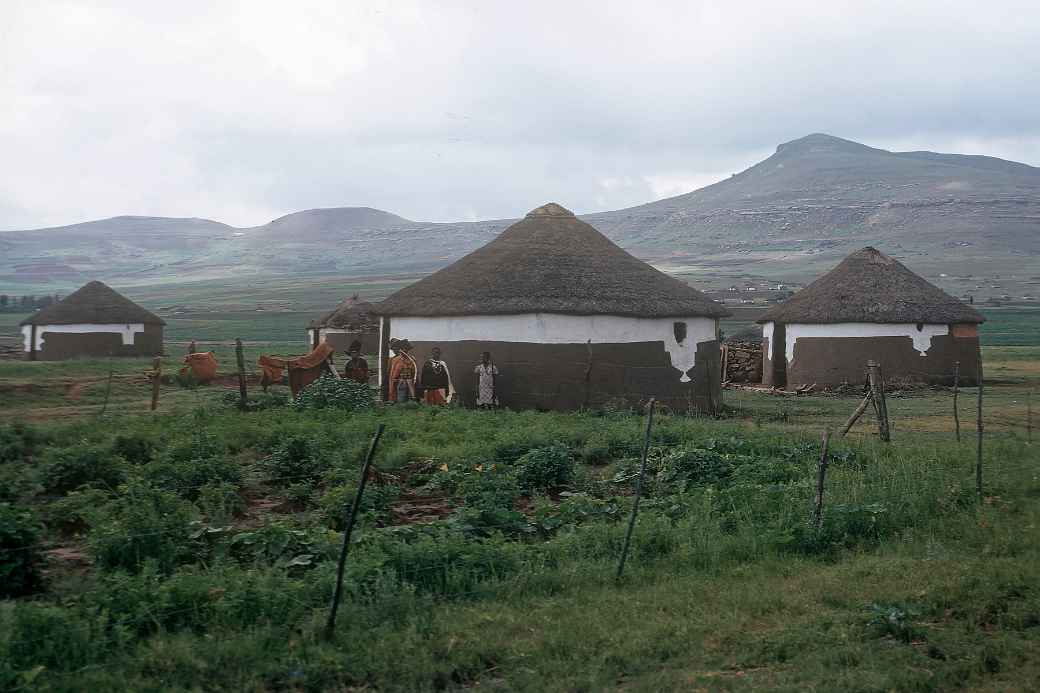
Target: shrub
336,502
188,466
134,448
328,392
143,523
219,502
18,442
545,468
296,459
66,469
19,555
278,544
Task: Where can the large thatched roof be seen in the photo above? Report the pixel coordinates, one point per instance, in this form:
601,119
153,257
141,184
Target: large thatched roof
550,262
351,314
869,286
94,303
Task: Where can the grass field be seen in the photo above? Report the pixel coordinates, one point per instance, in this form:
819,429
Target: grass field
195,548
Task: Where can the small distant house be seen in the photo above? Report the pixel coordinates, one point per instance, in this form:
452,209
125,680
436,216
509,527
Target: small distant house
571,320
95,320
351,320
869,307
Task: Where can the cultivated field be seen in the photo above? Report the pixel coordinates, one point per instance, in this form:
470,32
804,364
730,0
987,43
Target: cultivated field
195,548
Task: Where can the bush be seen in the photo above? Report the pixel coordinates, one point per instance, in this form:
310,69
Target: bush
19,555
336,502
18,442
143,523
188,466
328,392
134,448
545,468
219,501
296,459
66,469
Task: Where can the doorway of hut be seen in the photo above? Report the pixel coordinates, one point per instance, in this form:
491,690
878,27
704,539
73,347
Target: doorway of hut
779,355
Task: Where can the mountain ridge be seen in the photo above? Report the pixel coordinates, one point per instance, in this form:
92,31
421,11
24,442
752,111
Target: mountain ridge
812,201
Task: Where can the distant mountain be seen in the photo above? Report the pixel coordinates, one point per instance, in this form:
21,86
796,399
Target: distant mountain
791,217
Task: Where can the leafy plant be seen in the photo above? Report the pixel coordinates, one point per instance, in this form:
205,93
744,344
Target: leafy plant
895,620
545,468
143,523
328,392
65,469
19,555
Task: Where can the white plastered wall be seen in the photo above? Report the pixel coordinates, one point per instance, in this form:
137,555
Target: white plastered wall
125,331
554,328
922,338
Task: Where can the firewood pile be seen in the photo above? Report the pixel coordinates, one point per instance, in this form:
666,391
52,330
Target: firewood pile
742,362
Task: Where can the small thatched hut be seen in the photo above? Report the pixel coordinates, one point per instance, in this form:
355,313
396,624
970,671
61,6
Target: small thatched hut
94,320
869,307
351,320
570,319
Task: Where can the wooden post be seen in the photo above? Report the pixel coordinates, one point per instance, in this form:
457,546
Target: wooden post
108,389
725,362
240,358
978,432
1029,417
156,381
330,624
821,476
856,414
32,342
639,488
877,389
956,389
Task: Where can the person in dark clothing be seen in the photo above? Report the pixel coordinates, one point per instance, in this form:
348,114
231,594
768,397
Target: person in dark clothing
435,379
357,367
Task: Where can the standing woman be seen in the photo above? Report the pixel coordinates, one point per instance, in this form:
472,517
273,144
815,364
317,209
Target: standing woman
435,381
487,374
357,367
402,372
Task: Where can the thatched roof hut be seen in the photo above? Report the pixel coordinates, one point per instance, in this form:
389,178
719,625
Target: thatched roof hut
93,303
352,320
571,319
869,286
869,307
551,261
94,320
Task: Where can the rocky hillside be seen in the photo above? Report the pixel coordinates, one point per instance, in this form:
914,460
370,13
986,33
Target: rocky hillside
788,217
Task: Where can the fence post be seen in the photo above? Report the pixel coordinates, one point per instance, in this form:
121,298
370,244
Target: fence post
330,624
956,389
639,488
108,388
978,431
856,414
1029,417
240,358
156,380
821,476
877,388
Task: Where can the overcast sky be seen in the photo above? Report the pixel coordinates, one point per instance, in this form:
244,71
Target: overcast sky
243,111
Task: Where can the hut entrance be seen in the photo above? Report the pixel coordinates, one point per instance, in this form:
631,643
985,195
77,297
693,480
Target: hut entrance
779,347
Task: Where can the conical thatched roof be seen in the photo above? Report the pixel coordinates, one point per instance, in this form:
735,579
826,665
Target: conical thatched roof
94,303
869,286
353,313
550,262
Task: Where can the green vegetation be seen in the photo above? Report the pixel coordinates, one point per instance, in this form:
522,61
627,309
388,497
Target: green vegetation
197,550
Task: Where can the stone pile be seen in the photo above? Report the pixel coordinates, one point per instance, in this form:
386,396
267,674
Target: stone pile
742,362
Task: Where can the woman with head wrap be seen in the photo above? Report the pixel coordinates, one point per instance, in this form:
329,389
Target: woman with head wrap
357,367
402,372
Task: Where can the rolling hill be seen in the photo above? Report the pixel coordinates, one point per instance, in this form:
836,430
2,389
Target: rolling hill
975,219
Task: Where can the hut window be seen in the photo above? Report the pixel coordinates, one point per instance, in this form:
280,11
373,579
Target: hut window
679,328
920,326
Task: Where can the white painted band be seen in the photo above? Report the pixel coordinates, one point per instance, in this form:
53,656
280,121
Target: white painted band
554,328
125,331
922,338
